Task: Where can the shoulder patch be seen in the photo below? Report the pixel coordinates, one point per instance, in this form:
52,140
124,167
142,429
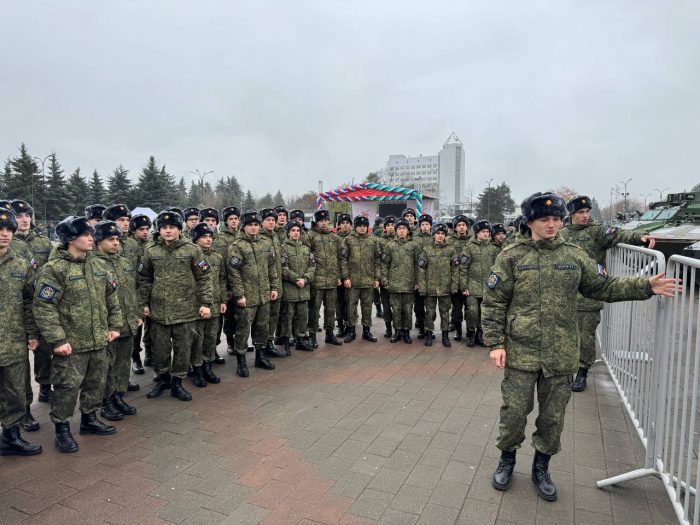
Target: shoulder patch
312,259
455,261
600,270
463,259
344,252
422,263
283,260
385,256
235,262
47,293
492,281
610,230
203,266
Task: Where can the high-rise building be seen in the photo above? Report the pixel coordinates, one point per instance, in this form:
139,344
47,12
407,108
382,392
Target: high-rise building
451,177
419,172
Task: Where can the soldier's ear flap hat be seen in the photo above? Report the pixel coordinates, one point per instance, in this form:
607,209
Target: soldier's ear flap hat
458,219
139,221
343,217
541,205
498,228
94,211
5,204
106,229
8,219
281,209
482,225
402,222
169,217
209,212
73,227
389,219
200,230
115,211
231,210
176,210
408,211
360,220
290,225
20,206
268,212
425,218
189,212
322,215
251,217
581,202
439,227
296,214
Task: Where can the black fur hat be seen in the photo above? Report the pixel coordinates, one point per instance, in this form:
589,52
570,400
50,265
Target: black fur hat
209,212
251,217
94,211
360,220
169,217
105,229
199,230
115,211
71,228
8,219
540,205
322,215
439,227
189,212
139,221
230,210
578,203
482,225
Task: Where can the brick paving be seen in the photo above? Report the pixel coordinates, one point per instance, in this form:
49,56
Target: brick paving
359,434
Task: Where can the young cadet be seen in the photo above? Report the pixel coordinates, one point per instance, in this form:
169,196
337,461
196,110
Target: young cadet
106,239
76,308
459,238
139,228
18,337
204,350
409,214
121,215
421,238
438,278
498,235
175,291
529,298
229,233
93,212
298,269
191,218
267,232
360,270
388,235
399,277
282,219
343,229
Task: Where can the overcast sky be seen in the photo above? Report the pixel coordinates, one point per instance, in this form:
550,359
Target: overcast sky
286,93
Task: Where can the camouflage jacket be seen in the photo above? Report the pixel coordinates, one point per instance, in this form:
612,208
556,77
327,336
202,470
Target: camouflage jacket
399,260
297,263
438,270
281,233
272,238
229,236
529,298
252,269
122,268
596,239
421,238
220,246
16,293
219,285
131,249
174,281
325,245
475,264
76,301
39,246
21,248
361,260
459,241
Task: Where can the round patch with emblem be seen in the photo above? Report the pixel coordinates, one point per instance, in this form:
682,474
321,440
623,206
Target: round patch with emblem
492,280
47,293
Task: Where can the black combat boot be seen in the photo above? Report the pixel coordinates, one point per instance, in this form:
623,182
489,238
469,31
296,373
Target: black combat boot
44,393
218,359
387,334
350,335
421,330
162,383
148,360
471,337
579,384
480,337
446,339
342,329
303,344
286,347
137,366
312,341
121,405
504,471
12,444
133,387
190,371
261,360
89,424
458,333
279,340
242,367
428,338
398,334
540,477
109,411
28,423
367,335
331,339
251,349
210,376
64,439
406,336
198,378
178,391
271,351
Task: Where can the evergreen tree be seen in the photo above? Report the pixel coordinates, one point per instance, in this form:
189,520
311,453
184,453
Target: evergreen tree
229,191
119,188
153,188
24,181
78,193
494,202
97,189
58,203
248,202
7,174
278,199
182,196
265,201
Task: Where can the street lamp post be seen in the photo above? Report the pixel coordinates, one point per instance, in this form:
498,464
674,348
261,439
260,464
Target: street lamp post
488,200
661,193
201,176
43,182
624,195
645,196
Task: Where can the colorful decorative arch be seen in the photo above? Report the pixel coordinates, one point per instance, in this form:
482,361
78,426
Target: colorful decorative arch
371,191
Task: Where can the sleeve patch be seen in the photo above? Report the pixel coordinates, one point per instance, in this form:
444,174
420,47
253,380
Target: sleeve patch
235,262
492,281
385,257
422,263
344,252
283,260
602,271
610,230
47,293
455,261
34,263
312,259
463,259
203,266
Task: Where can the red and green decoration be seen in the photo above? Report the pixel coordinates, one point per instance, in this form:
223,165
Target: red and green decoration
371,191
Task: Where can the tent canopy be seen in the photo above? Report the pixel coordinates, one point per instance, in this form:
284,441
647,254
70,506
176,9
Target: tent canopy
371,191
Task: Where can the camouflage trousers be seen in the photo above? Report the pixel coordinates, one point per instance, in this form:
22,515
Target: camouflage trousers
83,374
459,309
432,304
172,347
401,310
341,306
326,298
588,321
474,312
295,319
366,297
12,396
518,391
275,312
386,304
119,365
419,308
251,320
204,349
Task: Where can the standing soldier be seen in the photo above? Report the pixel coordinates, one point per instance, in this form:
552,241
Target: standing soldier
475,266
325,246
529,296
388,235
421,237
229,233
298,268
191,218
175,292
459,238
438,278
106,239
76,308
93,212
19,247
121,215
360,270
595,239
19,336
399,259
269,221
139,228
343,229
498,235
378,231
409,214
254,282
282,218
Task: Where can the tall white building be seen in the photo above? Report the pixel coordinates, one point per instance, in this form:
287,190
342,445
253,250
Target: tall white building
420,172
451,176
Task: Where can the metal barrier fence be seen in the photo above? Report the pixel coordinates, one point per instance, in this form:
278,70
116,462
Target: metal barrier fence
653,353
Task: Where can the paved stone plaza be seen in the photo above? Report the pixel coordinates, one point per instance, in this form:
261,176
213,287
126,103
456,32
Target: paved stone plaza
363,433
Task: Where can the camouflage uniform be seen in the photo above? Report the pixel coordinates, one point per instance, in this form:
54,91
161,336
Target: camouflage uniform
76,302
360,261
341,301
276,305
131,249
143,331
204,350
297,263
174,283
384,240
437,277
325,246
459,300
478,257
229,324
421,239
528,300
399,277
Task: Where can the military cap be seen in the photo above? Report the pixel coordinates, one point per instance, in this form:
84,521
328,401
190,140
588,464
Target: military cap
230,210
200,230
439,227
6,205
169,217
94,211
189,212
408,211
402,222
425,218
176,210
343,217
360,220
209,212
115,211
20,206
498,228
458,219
139,221
106,229
322,215
268,212
8,219
389,219
378,221
540,205
296,214
578,203
251,217
292,224
281,209
482,225
72,227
